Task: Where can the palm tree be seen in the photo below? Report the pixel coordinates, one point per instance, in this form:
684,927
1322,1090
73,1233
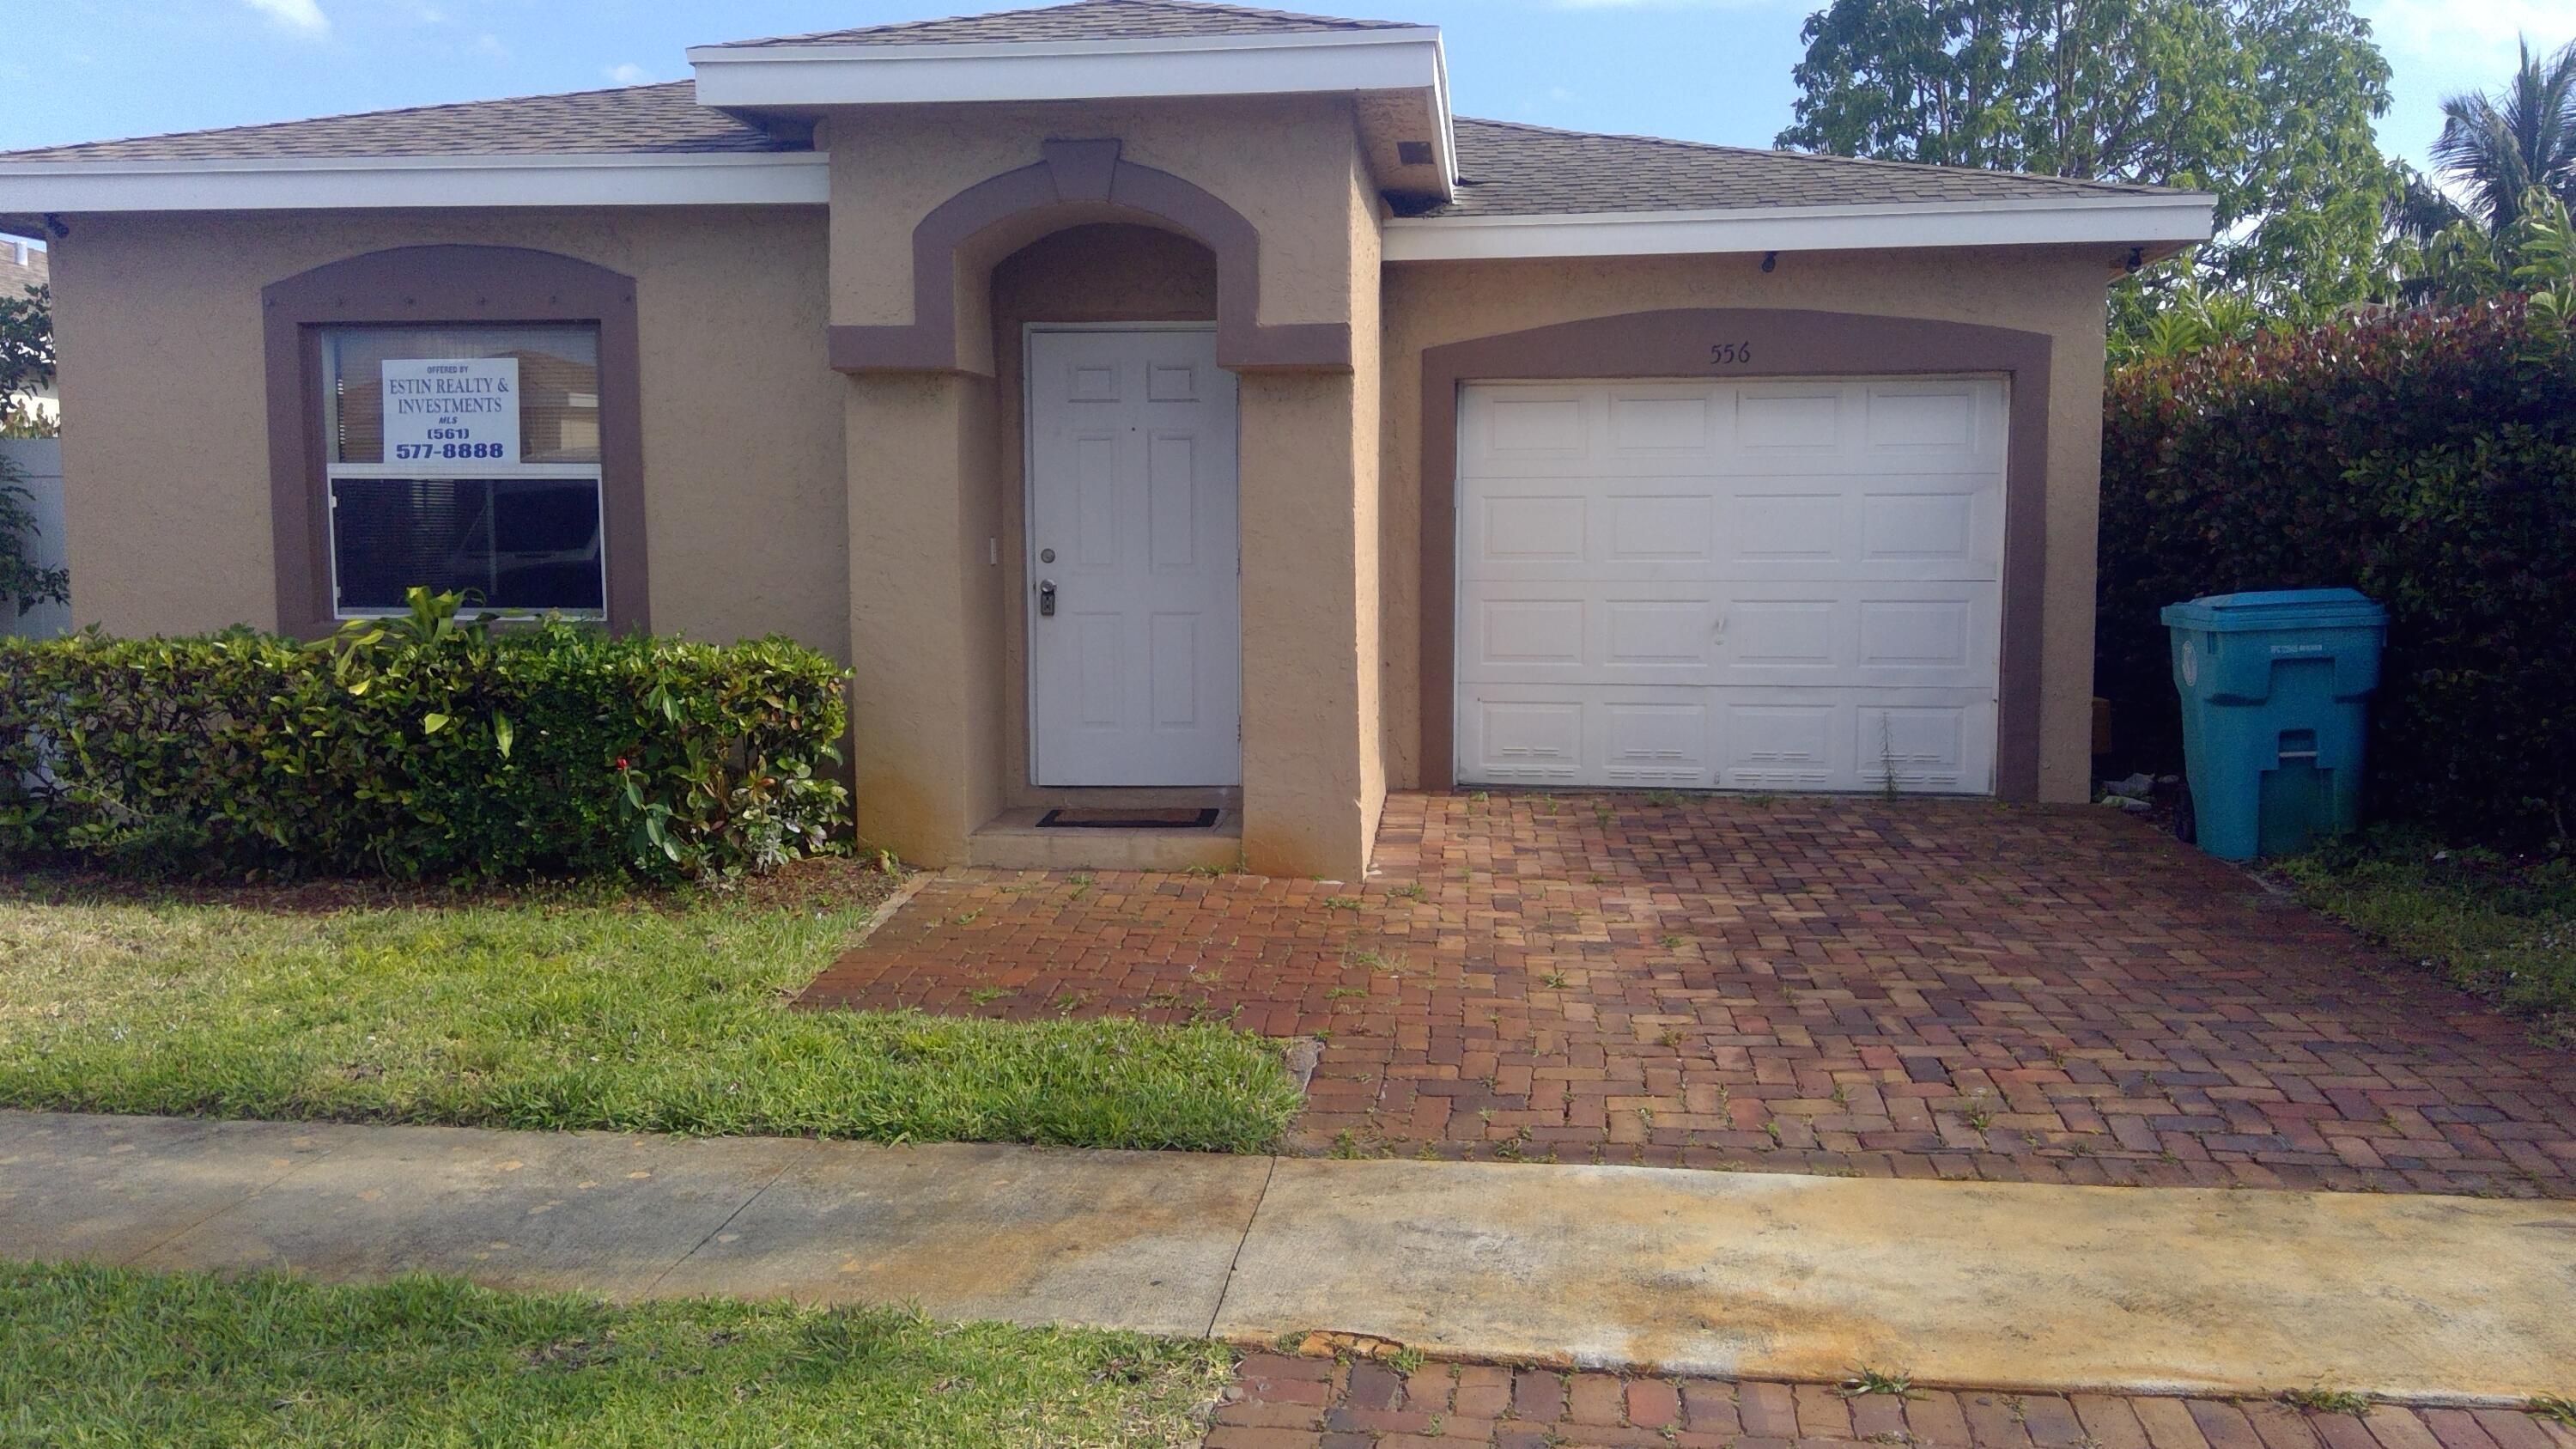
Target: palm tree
2497,147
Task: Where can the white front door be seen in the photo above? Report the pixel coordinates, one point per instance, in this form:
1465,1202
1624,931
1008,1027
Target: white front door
1791,584
1135,640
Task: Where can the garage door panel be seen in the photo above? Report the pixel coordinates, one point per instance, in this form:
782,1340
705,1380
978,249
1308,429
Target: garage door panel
1777,584
1713,635
1780,739
1952,424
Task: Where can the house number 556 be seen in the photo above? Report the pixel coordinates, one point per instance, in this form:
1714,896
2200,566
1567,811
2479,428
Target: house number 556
1729,354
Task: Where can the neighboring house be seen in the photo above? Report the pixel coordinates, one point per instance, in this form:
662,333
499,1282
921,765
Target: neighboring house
22,266
1157,403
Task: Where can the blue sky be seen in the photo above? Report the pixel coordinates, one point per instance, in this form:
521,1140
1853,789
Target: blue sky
1715,70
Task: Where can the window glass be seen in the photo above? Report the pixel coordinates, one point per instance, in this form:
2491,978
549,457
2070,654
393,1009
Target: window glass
558,387
465,459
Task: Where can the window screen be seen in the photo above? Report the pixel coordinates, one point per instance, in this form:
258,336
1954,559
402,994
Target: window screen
465,459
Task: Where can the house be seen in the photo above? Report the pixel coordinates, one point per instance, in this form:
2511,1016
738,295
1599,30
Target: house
22,270
1160,404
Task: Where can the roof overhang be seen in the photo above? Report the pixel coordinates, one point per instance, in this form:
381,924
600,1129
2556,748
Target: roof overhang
688,179
1403,73
2158,224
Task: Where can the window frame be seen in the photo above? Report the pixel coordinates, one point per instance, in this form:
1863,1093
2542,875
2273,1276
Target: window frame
443,286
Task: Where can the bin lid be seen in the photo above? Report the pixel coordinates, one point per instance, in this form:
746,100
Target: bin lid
2278,609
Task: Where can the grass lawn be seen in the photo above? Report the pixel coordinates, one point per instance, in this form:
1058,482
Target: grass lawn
2502,926
111,1356
565,1011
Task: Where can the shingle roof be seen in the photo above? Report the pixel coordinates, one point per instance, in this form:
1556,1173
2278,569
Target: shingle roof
1508,169
1085,20
1505,168
641,120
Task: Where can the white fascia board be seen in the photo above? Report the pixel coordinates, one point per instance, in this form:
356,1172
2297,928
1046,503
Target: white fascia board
755,76
754,178
2123,220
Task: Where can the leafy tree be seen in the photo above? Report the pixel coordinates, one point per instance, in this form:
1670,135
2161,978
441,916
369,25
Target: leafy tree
26,360
2266,103
26,364
20,579
2500,148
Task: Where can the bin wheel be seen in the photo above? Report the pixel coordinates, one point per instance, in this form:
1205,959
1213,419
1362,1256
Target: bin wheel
2186,825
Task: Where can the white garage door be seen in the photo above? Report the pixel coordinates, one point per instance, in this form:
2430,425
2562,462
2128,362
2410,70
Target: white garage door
1779,585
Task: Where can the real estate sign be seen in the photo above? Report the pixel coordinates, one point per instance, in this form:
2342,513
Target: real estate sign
452,410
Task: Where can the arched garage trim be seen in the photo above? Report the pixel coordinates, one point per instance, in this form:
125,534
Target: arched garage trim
1694,343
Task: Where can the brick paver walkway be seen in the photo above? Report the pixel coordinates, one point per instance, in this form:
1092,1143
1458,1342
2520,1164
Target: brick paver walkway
1303,1403
1925,988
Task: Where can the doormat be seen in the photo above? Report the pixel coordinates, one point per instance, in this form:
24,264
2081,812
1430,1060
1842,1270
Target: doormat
1128,820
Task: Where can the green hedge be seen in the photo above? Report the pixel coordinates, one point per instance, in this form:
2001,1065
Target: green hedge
2428,459
420,747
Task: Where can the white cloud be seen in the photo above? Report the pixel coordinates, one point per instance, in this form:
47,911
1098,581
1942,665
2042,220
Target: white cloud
629,74
297,17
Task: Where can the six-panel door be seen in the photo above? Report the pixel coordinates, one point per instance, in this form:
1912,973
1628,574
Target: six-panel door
1136,672
1792,584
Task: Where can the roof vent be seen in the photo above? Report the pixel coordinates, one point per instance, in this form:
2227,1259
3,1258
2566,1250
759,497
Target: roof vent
1413,153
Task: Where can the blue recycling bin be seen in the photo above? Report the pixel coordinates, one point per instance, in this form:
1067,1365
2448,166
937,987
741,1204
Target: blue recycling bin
2275,697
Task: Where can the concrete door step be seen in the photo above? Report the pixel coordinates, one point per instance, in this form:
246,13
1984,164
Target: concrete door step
1975,1285
1014,840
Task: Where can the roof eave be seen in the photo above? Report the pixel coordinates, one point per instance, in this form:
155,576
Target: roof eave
750,79
691,178
2164,223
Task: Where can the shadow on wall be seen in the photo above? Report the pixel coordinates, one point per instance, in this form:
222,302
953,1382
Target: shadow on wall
40,466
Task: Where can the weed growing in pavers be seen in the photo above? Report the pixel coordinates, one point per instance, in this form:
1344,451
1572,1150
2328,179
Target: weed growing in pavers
2556,1407
1554,980
1674,943
1864,1380
986,995
1341,903
1344,993
1409,891
2320,1399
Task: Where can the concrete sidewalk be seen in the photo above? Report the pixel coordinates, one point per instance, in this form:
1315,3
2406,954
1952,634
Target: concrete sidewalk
1997,1286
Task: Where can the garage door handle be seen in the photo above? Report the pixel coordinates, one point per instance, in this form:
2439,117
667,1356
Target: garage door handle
1717,632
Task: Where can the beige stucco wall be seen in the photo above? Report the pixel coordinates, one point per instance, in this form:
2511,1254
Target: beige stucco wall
166,451
2056,291
1281,162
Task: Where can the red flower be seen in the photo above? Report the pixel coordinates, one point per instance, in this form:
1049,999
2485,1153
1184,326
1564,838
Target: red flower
621,762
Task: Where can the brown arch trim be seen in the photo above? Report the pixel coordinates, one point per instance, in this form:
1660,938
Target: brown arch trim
1684,343
1089,173
443,285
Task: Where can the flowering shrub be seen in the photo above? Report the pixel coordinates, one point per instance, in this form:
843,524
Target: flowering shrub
425,746
2427,459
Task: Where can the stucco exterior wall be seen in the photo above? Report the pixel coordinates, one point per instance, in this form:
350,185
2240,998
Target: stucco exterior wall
1279,162
167,459
2059,292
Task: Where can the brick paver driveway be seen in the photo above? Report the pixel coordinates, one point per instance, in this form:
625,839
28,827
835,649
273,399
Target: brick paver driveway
1804,985
1297,1403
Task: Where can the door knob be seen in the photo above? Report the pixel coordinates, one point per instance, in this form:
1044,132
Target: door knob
1046,598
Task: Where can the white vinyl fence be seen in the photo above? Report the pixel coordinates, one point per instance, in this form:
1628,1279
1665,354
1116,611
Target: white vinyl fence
41,461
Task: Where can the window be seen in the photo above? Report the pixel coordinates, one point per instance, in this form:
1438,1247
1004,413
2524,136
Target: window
467,459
